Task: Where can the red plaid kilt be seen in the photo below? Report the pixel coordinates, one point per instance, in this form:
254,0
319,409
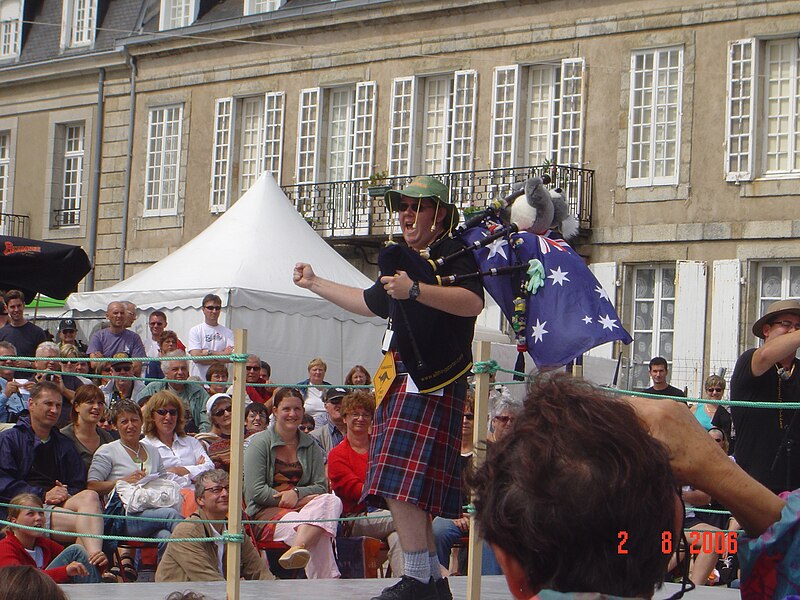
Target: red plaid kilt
415,449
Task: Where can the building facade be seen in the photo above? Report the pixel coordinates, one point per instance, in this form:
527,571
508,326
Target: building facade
672,127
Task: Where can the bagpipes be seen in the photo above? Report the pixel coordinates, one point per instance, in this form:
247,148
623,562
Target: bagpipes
557,308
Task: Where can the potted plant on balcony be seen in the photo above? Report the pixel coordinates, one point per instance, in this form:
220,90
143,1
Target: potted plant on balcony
376,184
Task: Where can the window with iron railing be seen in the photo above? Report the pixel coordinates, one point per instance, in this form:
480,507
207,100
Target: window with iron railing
68,171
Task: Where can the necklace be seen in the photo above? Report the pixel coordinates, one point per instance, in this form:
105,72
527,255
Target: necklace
138,458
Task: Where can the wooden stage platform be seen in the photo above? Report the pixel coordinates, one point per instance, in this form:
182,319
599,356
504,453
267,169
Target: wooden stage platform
492,588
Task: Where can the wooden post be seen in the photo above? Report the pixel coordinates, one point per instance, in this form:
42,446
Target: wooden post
475,556
235,494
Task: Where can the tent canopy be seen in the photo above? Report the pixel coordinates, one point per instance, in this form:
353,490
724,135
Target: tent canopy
246,257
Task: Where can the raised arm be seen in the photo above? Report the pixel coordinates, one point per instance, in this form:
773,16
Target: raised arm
774,350
344,296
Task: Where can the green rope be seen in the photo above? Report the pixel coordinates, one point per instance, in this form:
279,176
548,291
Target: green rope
711,511
489,366
119,538
237,358
236,538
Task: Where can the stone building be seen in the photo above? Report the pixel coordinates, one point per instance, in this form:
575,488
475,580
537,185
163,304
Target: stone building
673,128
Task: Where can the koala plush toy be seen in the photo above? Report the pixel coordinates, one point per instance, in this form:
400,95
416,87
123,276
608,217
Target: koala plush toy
535,208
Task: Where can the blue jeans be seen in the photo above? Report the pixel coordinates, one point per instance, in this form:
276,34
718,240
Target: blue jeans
446,534
74,553
161,528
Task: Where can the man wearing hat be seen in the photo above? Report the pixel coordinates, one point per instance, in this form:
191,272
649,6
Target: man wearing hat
68,334
121,389
331,433
416,437
767,440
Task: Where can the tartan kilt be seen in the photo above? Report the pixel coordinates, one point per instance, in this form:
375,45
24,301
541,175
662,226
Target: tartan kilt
415,449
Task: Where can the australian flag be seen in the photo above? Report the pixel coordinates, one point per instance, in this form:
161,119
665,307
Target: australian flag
568,315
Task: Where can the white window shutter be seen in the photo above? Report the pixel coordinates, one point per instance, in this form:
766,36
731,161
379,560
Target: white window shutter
570,144
465,93
690,326
606,275
505,106
401,126
364,130
725,314
272,153
221,155
308,135
740,117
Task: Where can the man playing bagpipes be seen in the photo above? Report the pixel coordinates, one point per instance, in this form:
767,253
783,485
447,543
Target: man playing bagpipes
416,437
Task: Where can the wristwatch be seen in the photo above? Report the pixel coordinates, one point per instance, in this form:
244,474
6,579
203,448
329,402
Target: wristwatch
413,291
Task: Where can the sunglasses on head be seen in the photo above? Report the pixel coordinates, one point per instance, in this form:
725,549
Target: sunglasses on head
221,411
172,412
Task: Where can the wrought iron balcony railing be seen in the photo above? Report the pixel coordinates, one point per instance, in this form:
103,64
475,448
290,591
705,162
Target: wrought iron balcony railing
344,209
66,217
16,225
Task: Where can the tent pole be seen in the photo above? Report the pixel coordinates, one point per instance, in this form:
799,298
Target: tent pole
235,493
481,411
36,299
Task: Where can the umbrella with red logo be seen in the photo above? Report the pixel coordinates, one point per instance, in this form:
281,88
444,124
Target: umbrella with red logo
34,266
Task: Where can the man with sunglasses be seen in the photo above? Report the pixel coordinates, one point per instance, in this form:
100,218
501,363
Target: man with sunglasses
209,338
201,560
767,439
416,443
121,389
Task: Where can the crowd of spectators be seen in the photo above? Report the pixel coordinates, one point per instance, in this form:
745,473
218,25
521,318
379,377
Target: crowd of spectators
81,437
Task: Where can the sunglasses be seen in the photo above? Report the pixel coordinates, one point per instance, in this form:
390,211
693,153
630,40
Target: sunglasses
172,412
469,416
221,411
214,307
504,419
415,207
306,428
122,368
252,368
715,390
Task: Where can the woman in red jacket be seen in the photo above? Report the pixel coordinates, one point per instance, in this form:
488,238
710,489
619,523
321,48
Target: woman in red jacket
347,469
25,547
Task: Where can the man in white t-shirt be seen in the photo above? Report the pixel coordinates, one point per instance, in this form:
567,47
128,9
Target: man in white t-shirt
209,337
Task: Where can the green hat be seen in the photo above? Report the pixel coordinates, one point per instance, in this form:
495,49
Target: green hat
425,186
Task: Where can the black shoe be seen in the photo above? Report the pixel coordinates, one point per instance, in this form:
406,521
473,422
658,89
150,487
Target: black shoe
409,588
443,589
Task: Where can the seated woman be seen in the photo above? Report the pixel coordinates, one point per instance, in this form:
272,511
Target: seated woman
358,375
284,480
347,469
25,547
217,374
180,454
218,440
713,415
167,342
129,459
87,409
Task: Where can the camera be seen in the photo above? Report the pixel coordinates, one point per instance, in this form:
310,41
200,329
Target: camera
50,377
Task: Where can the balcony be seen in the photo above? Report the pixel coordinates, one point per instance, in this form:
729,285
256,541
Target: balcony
345,211
16,225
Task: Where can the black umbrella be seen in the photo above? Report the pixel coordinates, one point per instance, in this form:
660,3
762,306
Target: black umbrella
41,267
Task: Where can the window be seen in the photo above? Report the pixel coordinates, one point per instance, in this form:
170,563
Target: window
336,133
654,118
177,13
763,136
653,318
5,174
778,281
78,23
248,135
163,157
432,127
537,114
252,7
10,17
68,176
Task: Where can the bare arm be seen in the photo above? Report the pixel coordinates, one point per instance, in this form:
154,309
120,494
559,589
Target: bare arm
698,461
454,300
774,350
344,296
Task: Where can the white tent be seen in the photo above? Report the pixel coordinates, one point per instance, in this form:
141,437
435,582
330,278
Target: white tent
246,257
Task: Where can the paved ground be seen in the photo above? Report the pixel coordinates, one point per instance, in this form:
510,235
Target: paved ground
492,588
